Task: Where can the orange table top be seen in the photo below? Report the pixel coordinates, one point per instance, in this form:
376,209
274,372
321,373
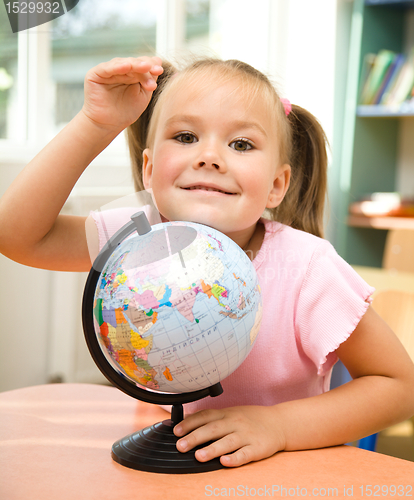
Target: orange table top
55,444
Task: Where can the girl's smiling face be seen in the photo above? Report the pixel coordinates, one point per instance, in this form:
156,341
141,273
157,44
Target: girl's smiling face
215,160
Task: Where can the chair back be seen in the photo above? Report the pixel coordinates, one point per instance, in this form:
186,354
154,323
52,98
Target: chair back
399,250
396,307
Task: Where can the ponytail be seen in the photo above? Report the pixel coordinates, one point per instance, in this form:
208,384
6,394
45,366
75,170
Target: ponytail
137,133
303,205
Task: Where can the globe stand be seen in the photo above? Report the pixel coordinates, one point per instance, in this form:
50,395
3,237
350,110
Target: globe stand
154,449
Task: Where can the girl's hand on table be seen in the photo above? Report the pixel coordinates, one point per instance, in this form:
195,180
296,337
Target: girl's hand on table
241,434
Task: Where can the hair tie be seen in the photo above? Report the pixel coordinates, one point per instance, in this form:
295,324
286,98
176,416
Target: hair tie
287,105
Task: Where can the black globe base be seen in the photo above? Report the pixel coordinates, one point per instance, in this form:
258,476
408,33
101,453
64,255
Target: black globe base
153,449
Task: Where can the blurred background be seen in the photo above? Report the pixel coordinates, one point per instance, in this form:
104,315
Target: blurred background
319,53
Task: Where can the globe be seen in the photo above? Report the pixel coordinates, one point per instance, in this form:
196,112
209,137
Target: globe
170,311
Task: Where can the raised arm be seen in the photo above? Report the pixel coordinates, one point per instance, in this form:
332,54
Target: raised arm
31,230
380,395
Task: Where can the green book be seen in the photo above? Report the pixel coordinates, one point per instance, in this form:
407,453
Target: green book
403,84
379,69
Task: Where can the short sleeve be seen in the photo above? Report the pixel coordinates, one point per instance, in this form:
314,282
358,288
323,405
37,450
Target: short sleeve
332,300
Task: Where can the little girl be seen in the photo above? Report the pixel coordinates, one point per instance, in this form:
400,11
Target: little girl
216,145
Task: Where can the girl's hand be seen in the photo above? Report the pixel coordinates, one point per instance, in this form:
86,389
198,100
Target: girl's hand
241,434
118,91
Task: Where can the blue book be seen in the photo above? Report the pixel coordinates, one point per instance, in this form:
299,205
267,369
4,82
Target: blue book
390,77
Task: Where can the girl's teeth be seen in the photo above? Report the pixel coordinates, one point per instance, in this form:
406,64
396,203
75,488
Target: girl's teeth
207,189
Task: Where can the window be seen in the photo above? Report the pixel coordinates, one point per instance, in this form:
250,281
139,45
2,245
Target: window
96,31
8,76
197,39
93,32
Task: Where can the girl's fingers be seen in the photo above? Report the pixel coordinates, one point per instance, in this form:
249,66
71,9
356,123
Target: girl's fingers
140,65
232,449
240,457
197,420
238,435
201,431
127,70
229,443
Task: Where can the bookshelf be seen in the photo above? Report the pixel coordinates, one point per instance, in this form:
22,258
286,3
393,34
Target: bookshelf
381,222
380,111
391,3
370,143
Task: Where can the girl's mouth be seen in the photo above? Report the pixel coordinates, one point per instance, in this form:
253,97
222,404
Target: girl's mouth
207,188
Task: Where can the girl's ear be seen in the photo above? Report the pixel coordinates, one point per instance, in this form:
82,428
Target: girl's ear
147,168
280,186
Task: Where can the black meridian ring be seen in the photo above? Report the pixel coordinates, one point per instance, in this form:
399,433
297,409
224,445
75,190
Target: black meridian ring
118,380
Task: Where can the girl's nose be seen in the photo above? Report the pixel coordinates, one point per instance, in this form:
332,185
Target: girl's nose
210,158
203,164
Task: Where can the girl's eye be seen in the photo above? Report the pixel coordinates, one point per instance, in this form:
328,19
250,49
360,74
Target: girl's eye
241,145
186,138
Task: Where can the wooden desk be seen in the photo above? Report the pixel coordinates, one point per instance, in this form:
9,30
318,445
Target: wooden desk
55,443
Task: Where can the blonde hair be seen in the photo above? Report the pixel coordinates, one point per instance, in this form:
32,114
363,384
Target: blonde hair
301,139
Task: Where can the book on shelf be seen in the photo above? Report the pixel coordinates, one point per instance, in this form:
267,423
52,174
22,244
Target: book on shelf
388,80
368,63
376,75
403,85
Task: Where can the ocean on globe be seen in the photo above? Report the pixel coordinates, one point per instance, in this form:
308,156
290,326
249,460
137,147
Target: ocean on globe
177,309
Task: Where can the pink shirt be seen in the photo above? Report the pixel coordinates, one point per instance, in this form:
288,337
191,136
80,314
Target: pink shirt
312,302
